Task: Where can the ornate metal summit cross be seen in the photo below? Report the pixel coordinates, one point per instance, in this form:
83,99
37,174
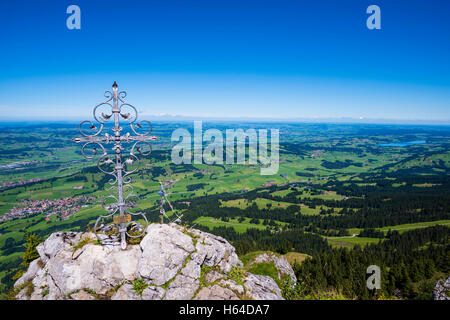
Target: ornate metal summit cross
116,108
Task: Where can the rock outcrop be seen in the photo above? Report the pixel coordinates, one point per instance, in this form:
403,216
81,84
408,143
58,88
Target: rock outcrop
282,265
442,290
170,263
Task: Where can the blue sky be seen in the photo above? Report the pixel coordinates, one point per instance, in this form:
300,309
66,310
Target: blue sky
227,58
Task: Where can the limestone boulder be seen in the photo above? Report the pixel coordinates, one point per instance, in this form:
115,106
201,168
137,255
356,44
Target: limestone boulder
170,263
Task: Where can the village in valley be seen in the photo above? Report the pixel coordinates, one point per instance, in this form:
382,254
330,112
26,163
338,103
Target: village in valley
10,184
62,208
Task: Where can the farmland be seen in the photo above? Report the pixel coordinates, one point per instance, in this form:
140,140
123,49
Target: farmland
334,181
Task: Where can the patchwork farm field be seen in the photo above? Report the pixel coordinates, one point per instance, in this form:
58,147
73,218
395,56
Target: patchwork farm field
351,241
233,223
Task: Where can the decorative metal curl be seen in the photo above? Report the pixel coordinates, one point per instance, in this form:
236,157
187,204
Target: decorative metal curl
94,149
139,125
115,166
92,127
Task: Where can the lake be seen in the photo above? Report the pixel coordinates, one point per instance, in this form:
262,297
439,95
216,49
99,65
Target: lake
401,144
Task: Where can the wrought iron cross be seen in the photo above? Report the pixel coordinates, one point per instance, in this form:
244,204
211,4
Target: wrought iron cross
115,109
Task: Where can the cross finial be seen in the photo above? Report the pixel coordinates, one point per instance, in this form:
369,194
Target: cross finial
96,140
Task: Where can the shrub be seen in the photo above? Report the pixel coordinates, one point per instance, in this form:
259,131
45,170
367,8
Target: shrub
32,240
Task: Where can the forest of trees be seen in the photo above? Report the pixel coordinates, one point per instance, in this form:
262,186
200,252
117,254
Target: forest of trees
379,208
410,265
410,262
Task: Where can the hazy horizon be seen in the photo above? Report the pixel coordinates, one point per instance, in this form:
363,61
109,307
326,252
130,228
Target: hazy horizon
177,118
